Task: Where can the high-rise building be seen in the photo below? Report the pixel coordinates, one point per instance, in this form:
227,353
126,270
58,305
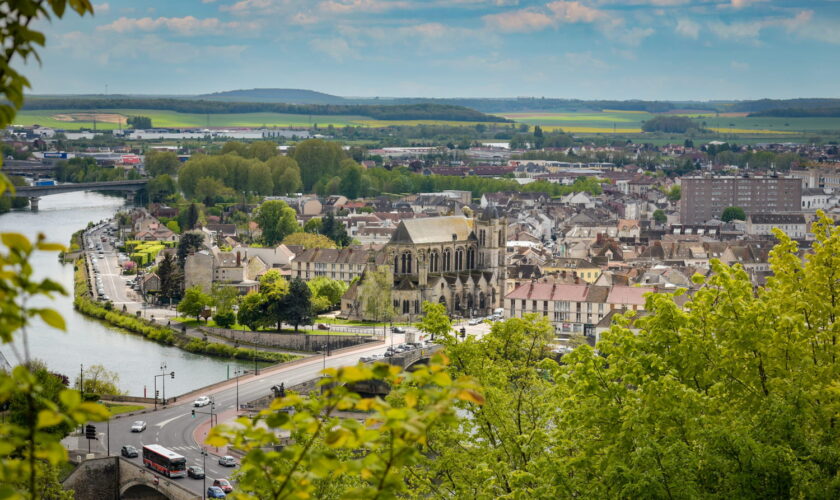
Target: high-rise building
706,197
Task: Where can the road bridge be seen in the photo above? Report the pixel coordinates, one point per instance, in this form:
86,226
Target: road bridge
34,193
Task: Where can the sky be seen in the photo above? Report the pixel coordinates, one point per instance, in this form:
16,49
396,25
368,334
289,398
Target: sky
586,49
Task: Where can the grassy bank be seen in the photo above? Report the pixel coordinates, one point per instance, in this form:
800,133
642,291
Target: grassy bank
164,335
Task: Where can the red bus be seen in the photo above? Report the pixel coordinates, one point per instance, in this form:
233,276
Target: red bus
166,462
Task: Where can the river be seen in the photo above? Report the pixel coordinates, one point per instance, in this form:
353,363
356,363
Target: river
86,341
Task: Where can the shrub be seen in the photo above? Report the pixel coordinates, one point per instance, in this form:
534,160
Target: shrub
225,319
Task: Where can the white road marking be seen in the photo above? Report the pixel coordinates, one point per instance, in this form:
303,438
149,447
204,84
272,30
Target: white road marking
161,424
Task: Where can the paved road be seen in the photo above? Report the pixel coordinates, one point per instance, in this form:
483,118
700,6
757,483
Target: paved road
173,427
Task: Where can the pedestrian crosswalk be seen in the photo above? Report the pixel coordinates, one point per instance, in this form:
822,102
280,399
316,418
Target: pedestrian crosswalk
184,448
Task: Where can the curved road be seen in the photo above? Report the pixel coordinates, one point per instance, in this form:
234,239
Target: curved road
173,427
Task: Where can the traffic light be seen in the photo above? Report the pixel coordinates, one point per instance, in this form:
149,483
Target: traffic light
157,394
463,332
172,374
193,414
90,431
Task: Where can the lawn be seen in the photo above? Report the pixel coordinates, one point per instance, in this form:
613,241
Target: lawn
117,409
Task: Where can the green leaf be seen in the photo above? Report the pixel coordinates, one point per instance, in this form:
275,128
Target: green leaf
16,241
52,318
48,418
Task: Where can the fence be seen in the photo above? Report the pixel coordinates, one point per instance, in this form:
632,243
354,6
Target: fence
292,341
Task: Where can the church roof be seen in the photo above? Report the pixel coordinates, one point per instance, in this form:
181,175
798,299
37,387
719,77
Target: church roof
433,230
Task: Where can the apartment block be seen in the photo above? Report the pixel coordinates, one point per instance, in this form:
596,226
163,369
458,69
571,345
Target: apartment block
706,197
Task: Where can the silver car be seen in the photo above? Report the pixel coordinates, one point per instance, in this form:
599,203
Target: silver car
138,426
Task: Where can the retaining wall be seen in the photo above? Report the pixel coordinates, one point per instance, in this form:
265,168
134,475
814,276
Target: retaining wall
290,341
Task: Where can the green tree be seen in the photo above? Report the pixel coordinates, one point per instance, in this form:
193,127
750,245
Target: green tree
259,179
322,460
326,293
674,194
194,302
313,225
334,230
276,220
161,163
733,213
100,381
317,159
173,226
235,147
161,188
504,447
223,297
659,216
171,277
191,217
375,294
190,242
274,289
139,122
351,179
210,191
435,321
297,306
250,311
309,240
262,150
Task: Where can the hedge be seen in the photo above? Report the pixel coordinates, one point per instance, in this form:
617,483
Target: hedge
162,334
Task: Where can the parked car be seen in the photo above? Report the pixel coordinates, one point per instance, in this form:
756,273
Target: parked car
215,492
138,426
227,461
195,472
398,329
129,451
202,401
224,484
476,321
322,326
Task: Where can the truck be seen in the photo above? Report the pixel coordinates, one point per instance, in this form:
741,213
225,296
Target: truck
45,183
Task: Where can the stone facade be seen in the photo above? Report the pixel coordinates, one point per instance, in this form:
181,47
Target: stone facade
456,261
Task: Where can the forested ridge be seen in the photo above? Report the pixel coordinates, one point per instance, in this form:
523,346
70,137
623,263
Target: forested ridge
424,111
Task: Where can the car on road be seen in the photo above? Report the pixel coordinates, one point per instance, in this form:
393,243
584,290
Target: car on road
476,321
224,484
322,326
129,451
202,401
398,329
138,426
227,461
215,492
195,472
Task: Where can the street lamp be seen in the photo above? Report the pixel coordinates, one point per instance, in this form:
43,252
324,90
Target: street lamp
163,379
238,372
204,469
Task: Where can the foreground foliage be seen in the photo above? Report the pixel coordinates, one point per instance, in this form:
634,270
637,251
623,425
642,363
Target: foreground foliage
734,395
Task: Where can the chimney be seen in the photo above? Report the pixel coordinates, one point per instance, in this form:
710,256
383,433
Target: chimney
238,259
577,280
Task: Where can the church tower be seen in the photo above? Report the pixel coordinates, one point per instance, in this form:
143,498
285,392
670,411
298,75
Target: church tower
491,231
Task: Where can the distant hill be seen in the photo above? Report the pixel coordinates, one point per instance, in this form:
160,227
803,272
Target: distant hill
288,96
425,111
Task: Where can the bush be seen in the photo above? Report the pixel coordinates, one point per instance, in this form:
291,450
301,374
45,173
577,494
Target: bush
225,319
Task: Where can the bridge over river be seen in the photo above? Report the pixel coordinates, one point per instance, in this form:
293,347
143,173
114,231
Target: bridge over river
34,193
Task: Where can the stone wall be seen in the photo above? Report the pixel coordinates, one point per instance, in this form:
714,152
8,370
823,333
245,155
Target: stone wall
114,478
290,341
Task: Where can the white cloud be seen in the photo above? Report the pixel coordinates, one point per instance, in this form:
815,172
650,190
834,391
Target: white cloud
187,25
336,48
751,31
354,6
148,47
101,8
687,28
554,14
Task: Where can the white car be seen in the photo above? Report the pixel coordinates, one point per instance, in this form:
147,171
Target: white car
138,426
202,401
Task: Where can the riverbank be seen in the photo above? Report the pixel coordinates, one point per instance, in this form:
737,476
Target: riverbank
83,303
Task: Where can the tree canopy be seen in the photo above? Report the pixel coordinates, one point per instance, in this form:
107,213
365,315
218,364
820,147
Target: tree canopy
733,213
277,221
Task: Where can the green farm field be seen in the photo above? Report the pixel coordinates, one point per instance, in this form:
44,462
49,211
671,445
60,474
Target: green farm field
623,122
108,118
